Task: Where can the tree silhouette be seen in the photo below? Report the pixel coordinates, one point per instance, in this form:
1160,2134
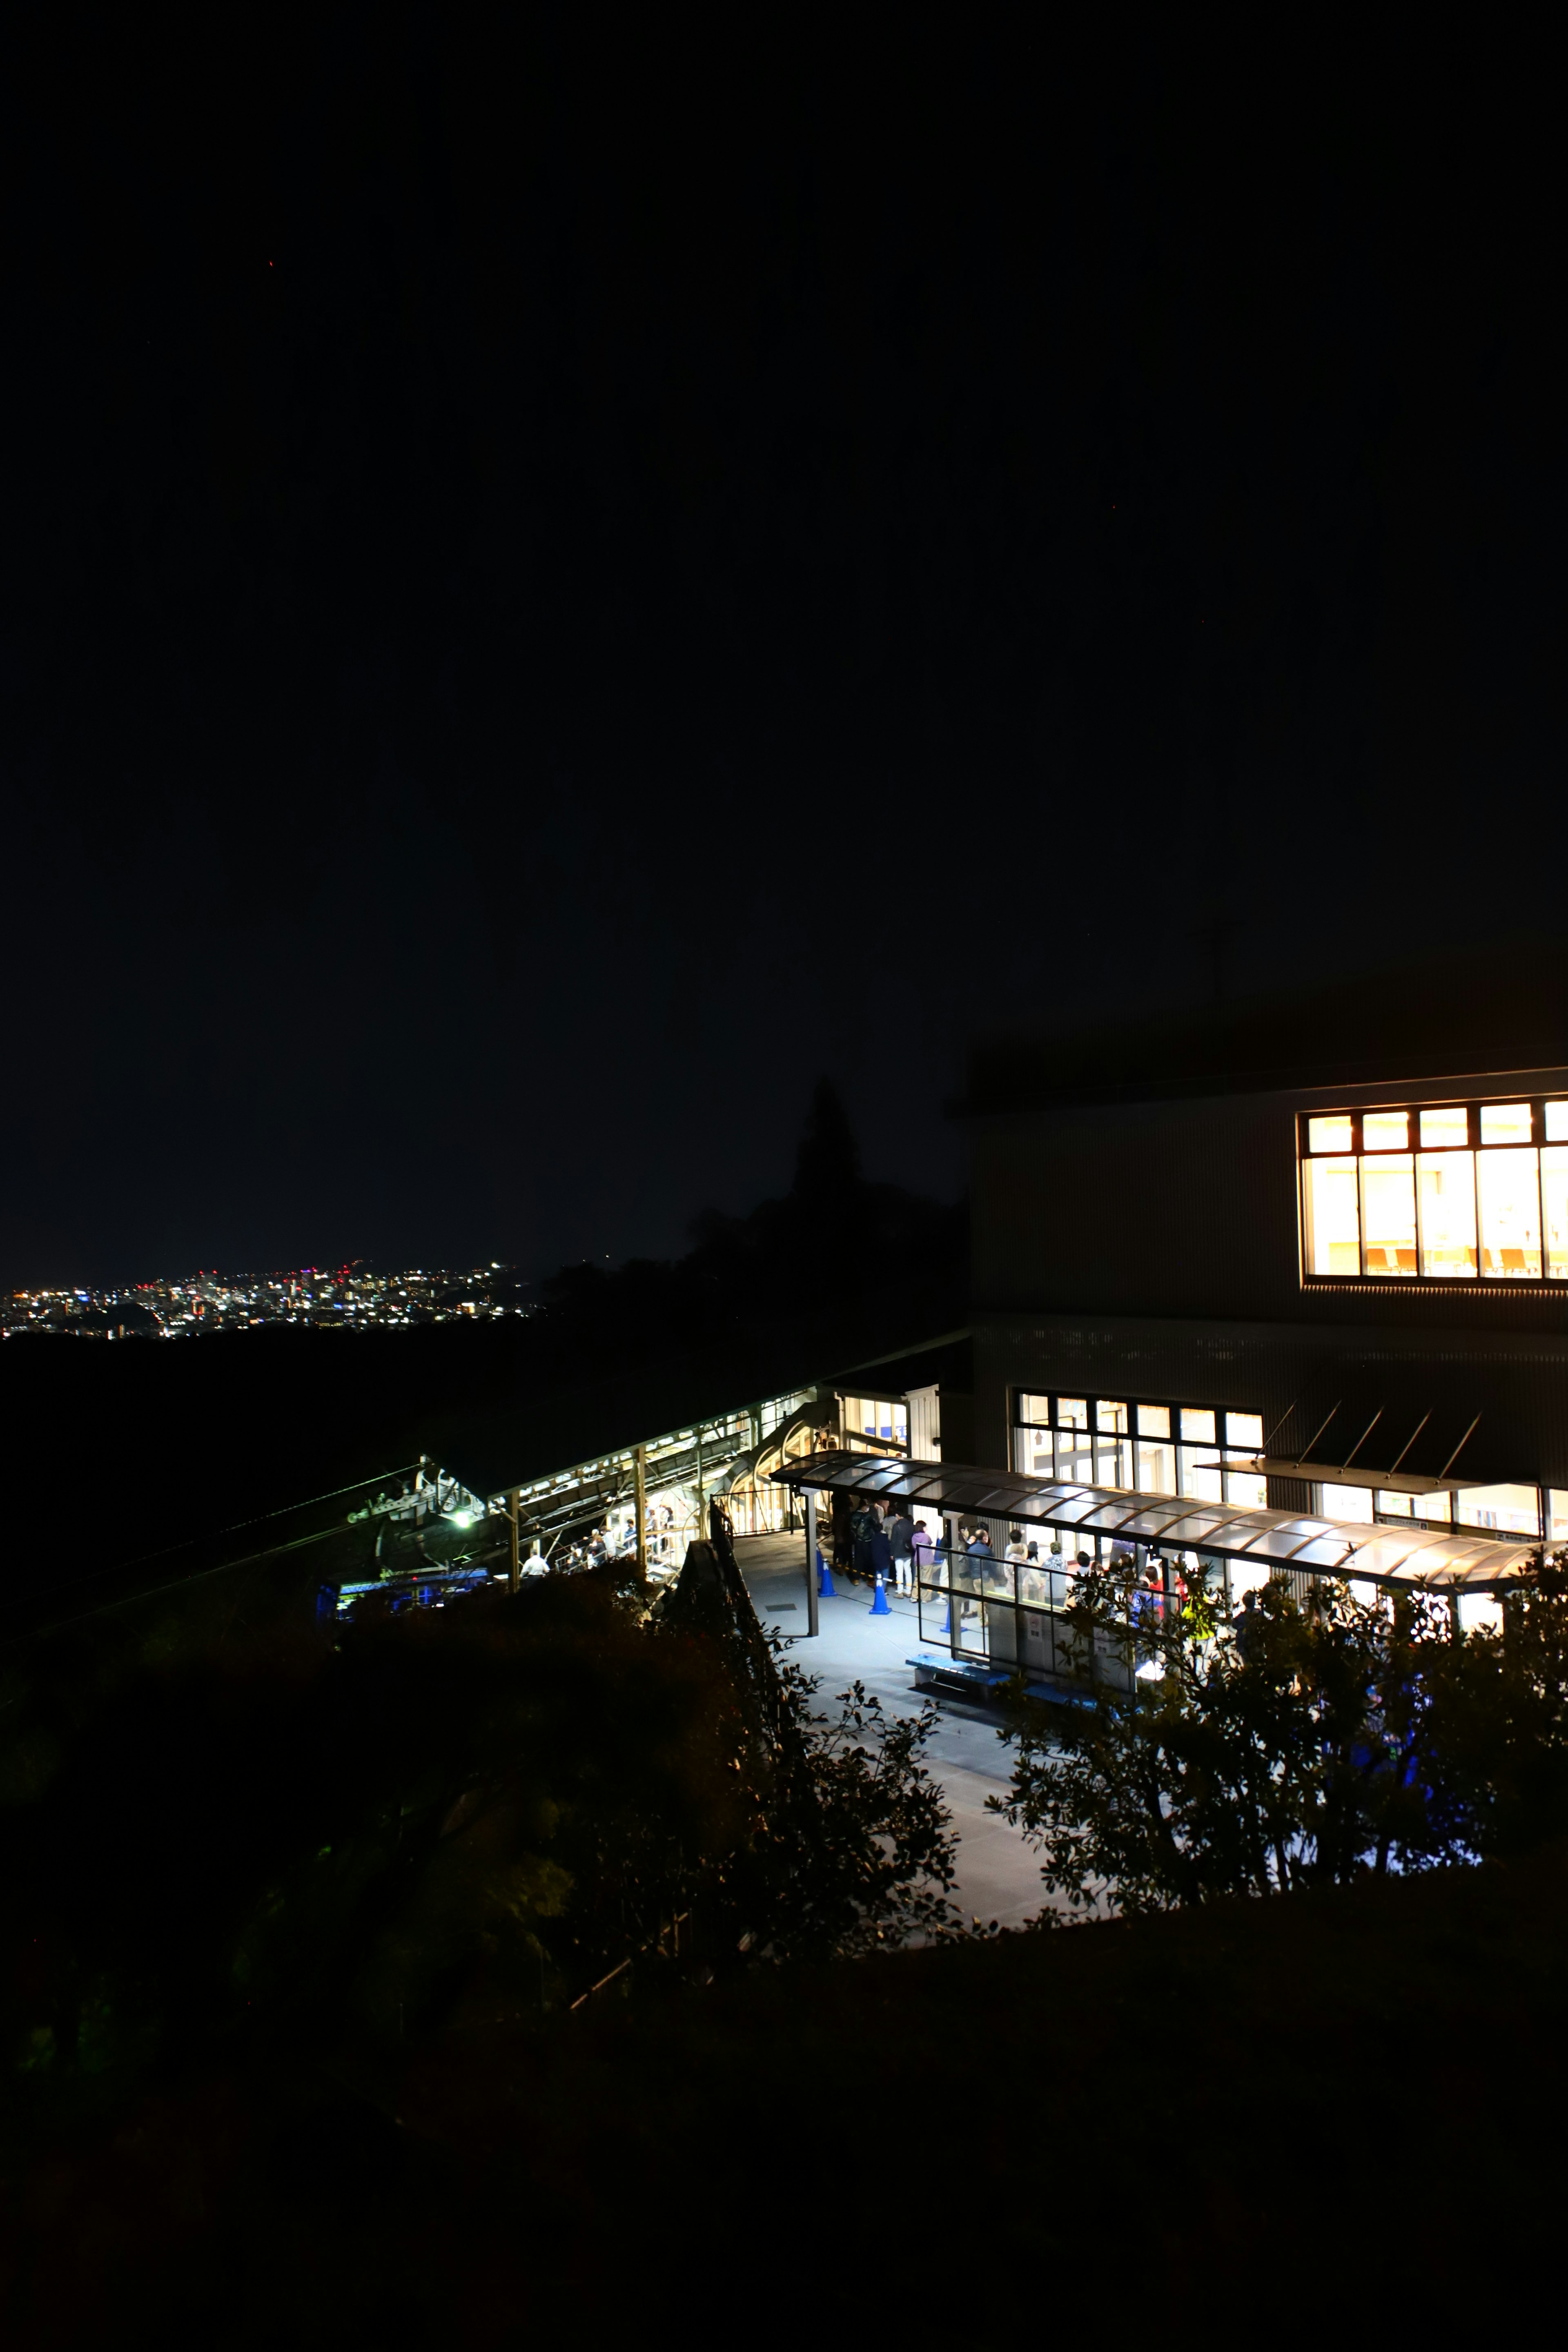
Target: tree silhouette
827,1164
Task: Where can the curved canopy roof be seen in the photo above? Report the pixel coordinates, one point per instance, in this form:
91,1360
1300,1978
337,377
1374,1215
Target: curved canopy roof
1225,1530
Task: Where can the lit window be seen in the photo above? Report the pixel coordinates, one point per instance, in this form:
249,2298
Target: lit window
1245,1429
1330,1135
1445,1130
1110,1416
1156,1463
1506,1123
1554,1209
1508,1184
1446,1214
1113,1462
1202,1480
1247,1489
1035,1410
1071,1413
1197,1425
1153,1421
1331,1215
1386,1131
1388,1215
1032,1451
1397,1507
1075,1457
1501,1510
1353,1503
1445,1190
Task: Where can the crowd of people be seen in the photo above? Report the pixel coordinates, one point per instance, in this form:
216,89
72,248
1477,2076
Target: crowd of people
874,1538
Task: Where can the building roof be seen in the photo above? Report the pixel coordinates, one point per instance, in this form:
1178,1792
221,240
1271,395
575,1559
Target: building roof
1457,1015
1273,1540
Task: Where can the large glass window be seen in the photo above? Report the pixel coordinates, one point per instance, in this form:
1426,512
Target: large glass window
1075,1457
1152,1449
1388,1213
1445,1193
1501,1510
1481,1199
1508,1184
1333,1217
1554,1207
1113,1454
1353,1503
1156,1454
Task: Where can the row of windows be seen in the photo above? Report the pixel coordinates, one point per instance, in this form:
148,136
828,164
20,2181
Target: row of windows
1152,1449
1170,1449
1482,1198
874,1417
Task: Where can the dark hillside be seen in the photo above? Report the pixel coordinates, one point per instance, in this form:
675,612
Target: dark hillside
130,1452
1332,2116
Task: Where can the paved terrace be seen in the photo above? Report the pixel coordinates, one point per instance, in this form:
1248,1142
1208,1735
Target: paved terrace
998,1877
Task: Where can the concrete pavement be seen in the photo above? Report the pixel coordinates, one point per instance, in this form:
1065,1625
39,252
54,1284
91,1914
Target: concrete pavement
998,1877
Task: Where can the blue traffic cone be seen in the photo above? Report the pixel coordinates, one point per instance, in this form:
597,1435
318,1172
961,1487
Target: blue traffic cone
824,1585
947,1619
880,1599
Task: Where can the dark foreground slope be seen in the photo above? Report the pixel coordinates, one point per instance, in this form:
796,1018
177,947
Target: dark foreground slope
1337,2115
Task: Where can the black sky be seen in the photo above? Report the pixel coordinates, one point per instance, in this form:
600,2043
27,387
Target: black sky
560,579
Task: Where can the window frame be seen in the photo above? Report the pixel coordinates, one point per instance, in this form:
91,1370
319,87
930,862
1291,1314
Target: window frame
1223,1451
1497,1283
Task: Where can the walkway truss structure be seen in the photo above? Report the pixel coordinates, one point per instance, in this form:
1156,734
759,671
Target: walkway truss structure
731,1458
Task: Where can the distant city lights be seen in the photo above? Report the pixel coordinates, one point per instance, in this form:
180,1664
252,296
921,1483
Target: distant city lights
350,1298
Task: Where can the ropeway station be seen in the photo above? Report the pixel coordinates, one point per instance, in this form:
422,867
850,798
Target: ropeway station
993,1595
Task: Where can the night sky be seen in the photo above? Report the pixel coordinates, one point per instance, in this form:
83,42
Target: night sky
557,585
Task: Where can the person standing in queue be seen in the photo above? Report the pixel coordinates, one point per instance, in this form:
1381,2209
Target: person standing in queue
860,1527
901,1543
882,1550
923,1551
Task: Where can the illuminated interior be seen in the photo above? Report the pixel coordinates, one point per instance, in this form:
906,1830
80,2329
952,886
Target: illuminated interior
1148,1449
1449,1193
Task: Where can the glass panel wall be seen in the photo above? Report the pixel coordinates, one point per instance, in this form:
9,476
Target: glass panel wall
1179,1450
1149,1449
1446,1193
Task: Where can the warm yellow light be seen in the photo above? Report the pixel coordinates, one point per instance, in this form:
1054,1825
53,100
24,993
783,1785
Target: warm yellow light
1329,1135
1505,1123
1445,1130
1386,1131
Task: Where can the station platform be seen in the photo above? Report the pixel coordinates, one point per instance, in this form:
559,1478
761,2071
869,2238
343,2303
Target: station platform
998,1877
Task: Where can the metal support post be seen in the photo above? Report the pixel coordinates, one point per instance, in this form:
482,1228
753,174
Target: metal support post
812,1625
513,1508
642,1511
